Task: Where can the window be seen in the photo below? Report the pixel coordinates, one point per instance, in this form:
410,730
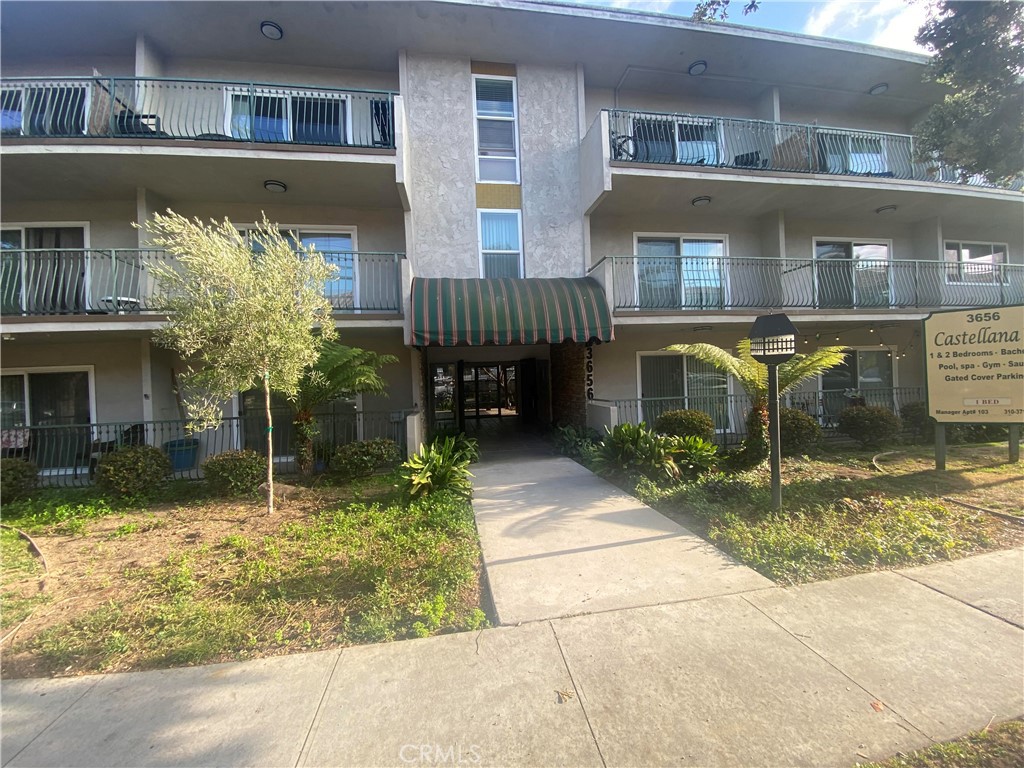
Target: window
978,263
47,398
501,253
497,134
302,118
698,143
865,377
50,111
676,272
339,250
852,273
846,153
50,276
690,141
669,382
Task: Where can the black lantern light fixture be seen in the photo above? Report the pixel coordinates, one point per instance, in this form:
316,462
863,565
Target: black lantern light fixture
773,342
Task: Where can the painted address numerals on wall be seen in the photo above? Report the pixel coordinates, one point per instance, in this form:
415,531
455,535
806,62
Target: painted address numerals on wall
590,372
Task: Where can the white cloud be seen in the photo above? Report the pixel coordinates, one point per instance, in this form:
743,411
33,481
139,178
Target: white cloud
889,23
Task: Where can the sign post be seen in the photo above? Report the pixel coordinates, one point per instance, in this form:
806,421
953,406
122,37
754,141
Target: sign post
974,366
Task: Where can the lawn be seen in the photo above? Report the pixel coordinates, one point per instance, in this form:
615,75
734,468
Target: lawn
201,580
842,514
1001,746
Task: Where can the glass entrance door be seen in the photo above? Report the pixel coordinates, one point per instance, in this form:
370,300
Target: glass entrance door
490,391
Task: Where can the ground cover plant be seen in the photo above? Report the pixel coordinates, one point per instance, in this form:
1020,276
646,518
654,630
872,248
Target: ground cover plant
999,746
207,578
843,515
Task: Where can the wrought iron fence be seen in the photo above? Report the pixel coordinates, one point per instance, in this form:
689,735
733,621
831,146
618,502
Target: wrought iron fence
68,454
725,142
729,412
122,281
208,110
728,282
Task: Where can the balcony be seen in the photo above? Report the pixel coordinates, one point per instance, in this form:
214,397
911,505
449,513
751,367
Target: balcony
203,110
724,142
671,283
122,282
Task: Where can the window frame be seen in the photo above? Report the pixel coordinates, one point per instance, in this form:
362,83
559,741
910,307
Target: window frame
730,386
24,372
1003,280
480,239
25,225
286,94
854,241
515,128
23,91
681,237
333,229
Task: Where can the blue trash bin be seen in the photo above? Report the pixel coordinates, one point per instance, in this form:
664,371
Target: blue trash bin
183,453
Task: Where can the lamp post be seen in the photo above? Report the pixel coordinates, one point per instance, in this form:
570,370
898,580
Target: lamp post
773,342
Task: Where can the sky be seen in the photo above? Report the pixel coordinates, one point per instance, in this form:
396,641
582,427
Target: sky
889,23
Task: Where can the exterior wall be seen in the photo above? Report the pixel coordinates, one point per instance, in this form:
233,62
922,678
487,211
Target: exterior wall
550,148
691,103
568,384
825,113
386,342
285,74
439,111
73,66
109,222
376,229
613,235
616,368
117,370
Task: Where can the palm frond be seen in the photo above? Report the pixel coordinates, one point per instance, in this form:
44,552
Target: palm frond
804,367
741,366
340,371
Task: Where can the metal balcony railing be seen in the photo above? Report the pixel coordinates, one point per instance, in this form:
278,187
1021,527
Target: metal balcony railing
725,142
121,281
67,454
729,412
208,110
656,283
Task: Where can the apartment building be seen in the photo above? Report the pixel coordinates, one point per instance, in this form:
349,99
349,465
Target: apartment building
525,201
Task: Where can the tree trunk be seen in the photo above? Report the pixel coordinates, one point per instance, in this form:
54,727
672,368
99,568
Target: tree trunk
270,445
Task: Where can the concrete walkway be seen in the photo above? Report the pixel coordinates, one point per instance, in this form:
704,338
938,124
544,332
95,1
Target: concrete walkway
825,674
559,541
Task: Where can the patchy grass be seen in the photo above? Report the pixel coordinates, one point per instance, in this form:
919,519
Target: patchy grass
216,580
998,747
841,515
21,572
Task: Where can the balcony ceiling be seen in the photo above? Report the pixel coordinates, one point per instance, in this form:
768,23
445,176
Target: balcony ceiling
196,177
848,201
368,36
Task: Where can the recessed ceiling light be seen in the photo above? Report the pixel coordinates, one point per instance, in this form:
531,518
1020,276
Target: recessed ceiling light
698,67
271,31
275,186
878,89
886,209
697,202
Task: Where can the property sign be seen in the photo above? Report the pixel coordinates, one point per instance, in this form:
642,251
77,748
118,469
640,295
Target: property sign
974,361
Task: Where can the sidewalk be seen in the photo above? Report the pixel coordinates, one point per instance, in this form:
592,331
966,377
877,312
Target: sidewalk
769,677
559,541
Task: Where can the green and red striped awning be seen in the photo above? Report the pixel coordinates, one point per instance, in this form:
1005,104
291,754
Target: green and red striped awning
449,312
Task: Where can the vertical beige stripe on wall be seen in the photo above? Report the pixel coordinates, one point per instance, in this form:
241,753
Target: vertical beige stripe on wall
492,68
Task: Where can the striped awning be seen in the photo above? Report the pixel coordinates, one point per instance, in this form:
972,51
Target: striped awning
448,312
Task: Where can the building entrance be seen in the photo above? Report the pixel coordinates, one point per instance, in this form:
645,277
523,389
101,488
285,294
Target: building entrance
487,397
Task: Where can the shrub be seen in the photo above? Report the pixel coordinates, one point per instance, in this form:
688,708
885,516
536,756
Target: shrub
870,425
440,466
798,431
18,478
135,471
636,450
575,442
915,418
695,456
233,473
684,423
977,433
464,444
365,457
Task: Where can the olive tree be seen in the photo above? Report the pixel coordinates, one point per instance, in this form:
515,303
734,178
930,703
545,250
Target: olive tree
244,312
